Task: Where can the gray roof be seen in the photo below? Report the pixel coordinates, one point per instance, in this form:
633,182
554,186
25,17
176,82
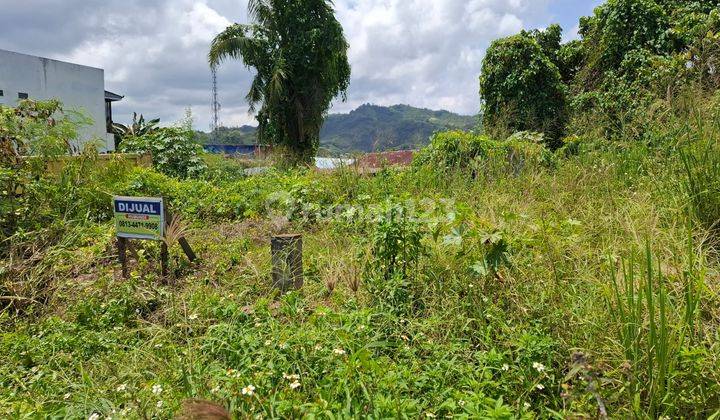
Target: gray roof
112,97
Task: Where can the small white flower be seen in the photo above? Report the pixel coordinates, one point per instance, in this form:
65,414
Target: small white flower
461,403
158,345
295,385
526,405
94,416
505,367
215,390
258,324
193,317
318,347
283,346
291,377
159,404
66,396
121,388
248,390
430,415
157,389
540,386
538,366
339,352
268,342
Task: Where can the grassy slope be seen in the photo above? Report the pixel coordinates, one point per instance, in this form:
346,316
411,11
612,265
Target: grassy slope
467,342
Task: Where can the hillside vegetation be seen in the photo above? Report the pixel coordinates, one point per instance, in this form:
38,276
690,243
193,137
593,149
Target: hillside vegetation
369,128
372,128
565,269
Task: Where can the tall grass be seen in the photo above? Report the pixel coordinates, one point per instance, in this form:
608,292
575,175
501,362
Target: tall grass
652,327
701,183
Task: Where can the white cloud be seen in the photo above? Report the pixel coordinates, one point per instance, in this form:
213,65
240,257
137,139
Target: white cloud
421,52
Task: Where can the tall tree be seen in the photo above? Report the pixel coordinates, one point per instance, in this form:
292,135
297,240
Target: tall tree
521,87
299,53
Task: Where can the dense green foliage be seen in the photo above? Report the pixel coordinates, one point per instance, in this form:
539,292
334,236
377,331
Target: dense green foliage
299,53
457,149
521,85
369,128
632,54
175,150
138,127
41,129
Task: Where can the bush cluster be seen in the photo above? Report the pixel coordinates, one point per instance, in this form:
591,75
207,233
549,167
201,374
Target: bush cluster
458,150
631,54
175,150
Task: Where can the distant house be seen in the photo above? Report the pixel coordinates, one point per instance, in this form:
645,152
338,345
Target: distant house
78,87
383,159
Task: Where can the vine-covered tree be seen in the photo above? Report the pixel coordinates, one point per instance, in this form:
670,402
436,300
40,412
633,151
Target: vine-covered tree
522,87
299,53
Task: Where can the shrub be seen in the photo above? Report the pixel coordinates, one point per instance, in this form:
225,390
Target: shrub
41,129
395,251
174,151
618,28
522,88
458,149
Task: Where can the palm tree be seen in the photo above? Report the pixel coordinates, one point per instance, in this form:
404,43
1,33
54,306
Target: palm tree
299,53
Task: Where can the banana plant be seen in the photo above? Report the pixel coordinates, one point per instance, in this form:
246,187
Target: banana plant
139,127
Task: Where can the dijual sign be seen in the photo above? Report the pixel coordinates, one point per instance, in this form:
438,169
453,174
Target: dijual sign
139,217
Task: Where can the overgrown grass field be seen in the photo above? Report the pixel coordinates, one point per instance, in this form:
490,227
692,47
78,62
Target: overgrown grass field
489,280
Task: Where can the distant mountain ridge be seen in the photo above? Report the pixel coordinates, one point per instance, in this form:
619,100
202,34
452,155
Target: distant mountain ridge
369,128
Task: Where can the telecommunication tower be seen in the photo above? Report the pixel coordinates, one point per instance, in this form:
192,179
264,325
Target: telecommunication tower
215,105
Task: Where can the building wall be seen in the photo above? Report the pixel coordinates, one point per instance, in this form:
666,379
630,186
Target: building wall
79,88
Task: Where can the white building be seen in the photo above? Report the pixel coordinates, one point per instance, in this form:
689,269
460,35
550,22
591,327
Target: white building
79,88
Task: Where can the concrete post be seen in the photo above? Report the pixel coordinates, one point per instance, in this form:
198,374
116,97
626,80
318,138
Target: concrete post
287,263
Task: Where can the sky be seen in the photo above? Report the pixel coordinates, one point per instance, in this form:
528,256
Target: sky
424,53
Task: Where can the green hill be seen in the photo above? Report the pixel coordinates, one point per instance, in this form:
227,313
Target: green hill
372,128
368,128
229,135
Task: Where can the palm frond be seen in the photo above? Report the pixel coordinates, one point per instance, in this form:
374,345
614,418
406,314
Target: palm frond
255,94
261,11
230,43
277,81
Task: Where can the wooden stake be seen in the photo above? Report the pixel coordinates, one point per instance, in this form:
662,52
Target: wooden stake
187,249
164,259
287,262
122,244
